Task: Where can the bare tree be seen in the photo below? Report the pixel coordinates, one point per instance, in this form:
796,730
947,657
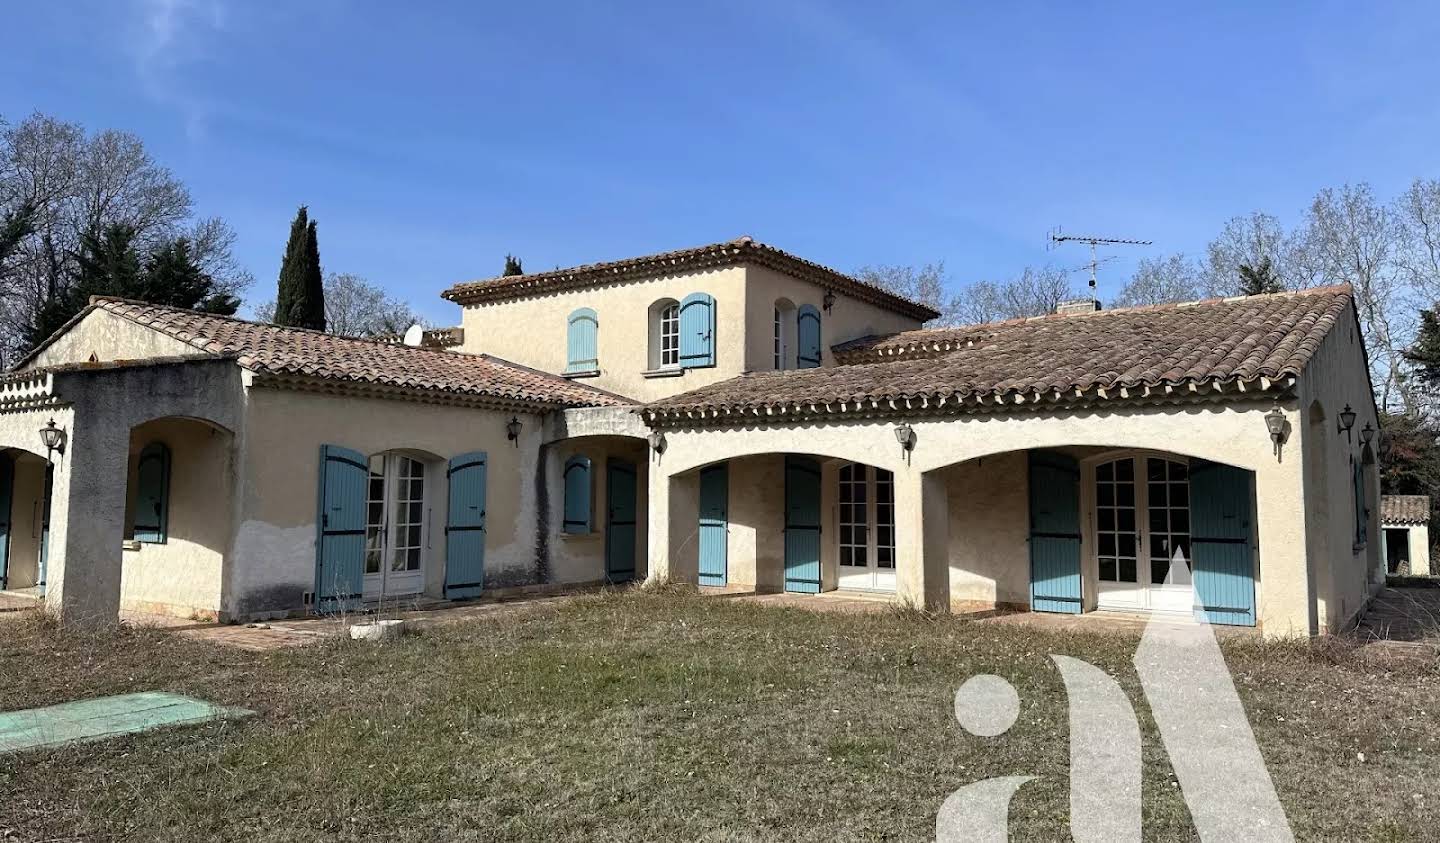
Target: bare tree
925,284
1035,292
1246,240
354,307
1161,280
77,183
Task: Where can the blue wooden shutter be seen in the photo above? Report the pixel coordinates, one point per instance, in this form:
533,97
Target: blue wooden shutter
577,494
697,331
1362,512
620,524
582,342
340,551
1220,535
807,332
7,486
152,495
1054,533
802,525
465,526
714,524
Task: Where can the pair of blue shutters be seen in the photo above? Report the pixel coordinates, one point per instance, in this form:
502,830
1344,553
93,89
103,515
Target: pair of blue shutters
1222,564
340,549
697,336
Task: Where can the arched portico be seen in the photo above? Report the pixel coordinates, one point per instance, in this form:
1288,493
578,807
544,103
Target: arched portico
928,489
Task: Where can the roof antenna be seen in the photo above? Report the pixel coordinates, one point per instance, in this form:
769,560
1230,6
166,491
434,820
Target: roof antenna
1056,237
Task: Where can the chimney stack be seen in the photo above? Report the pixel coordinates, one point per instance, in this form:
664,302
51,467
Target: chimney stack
1074,306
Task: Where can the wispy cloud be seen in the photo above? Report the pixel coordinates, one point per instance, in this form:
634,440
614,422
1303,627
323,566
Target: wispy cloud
168,36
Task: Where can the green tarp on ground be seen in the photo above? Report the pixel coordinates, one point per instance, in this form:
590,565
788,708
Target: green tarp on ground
105,717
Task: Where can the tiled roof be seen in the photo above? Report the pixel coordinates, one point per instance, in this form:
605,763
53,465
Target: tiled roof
742,250
1404,509
1133,353
272,350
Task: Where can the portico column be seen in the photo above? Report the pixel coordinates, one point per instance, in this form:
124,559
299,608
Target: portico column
87,526
674,520
922,540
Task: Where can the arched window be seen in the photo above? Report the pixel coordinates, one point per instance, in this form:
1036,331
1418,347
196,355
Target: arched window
582,353
783,346
152,496
665,334
577,494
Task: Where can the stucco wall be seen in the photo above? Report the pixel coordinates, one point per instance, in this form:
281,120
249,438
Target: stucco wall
1342,576
532,331
580,557
849,319
275,539
1233,433
989,530
183,575
109,338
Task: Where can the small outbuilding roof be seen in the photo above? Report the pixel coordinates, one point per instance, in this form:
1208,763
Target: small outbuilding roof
296,352
1404,509
730,252
1235,345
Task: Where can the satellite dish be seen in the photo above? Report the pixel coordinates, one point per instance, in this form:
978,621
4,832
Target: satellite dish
414,335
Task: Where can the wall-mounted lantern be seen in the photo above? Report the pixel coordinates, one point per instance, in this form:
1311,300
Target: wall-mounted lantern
1367,433
53,437
829,301
1275,423
512,430
1345,422
905,435
657,441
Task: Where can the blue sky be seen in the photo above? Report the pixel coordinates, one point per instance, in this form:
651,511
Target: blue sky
429,139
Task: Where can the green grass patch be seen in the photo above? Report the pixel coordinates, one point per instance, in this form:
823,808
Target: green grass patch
654,716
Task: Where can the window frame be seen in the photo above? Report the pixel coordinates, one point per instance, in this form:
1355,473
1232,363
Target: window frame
160,534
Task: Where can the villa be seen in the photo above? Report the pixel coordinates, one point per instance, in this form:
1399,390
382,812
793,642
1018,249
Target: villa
729,416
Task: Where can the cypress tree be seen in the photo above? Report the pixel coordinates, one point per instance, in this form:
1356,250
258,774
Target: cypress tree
512,266
300,297
1425,353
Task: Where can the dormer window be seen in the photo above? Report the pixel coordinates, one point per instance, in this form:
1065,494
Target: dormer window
664,335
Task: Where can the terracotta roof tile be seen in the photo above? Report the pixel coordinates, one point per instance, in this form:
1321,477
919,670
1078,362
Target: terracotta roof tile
1218,340
741,250
1404,509
269,349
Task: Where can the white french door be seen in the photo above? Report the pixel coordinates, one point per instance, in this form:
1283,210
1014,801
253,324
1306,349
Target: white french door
395,527
1142,518
866,521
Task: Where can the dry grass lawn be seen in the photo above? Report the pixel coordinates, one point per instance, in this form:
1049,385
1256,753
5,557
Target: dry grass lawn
636,716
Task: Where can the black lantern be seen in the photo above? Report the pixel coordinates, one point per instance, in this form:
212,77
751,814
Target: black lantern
512,430
905,435
1367,433
1345,422
53,437
1275,423
828,301
657,441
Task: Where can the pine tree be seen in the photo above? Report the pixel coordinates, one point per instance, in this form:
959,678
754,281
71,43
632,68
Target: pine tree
1259,279
300,297
172,277
106,265
512,266
1425,353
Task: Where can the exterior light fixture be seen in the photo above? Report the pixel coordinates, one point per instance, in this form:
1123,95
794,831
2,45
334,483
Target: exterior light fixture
512,430
657,441
1345,422
1367,433
1275,423
53,437
905,435
828,301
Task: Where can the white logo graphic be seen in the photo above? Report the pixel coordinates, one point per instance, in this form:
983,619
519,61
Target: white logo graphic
1202,727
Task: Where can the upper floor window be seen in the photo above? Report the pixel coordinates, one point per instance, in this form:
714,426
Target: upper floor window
783,346
665,334
807,330
582,353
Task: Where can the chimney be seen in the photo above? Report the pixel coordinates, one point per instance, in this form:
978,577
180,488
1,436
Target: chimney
1074,306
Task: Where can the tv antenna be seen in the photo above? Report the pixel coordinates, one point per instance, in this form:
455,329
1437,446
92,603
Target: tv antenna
1057,237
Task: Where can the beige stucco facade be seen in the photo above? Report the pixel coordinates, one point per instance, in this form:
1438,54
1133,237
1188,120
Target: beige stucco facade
531,330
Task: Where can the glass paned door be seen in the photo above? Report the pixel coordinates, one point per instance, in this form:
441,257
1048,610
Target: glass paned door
1142,517
395,527
866,521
